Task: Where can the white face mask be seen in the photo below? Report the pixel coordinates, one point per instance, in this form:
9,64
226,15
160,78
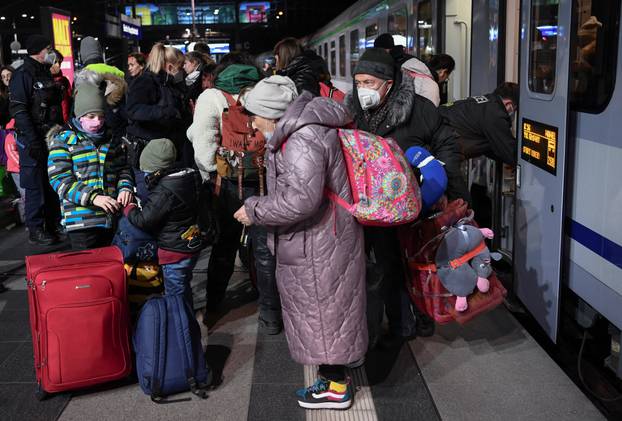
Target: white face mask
50,58
369,98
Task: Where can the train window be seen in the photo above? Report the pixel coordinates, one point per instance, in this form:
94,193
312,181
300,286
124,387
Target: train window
424,36
354,50
594,55
371,32
333,59
342,56
543,45
326,51
397,25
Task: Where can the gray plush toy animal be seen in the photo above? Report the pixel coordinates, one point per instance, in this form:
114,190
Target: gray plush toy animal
463,262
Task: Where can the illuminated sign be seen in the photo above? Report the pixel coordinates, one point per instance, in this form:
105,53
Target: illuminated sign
61,31
539,145
174,14
130,31
254,12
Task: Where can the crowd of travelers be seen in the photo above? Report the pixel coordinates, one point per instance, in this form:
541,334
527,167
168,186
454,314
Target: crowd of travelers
150,144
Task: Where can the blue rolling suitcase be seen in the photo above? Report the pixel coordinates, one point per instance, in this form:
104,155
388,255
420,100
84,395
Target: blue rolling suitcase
169,355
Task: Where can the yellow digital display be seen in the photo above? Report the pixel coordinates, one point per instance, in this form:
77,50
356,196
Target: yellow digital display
539,145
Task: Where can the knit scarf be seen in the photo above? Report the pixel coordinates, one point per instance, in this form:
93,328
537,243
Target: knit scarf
376,116
98,137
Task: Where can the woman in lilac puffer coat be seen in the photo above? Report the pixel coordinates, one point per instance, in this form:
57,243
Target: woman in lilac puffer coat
319,246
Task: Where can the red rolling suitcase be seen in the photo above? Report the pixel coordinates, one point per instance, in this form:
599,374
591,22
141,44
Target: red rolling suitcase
419,242
78,318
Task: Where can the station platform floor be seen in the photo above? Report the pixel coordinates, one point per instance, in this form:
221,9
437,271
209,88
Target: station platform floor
489,369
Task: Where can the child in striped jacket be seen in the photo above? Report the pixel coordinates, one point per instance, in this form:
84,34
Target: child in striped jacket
88,172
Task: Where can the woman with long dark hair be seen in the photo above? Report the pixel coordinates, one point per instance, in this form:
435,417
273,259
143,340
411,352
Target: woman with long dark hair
154,106
304,67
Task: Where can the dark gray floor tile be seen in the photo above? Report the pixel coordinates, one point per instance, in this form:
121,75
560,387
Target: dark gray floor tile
19,366
14,300
18,403
397,386
275,402
6,349
273,364
14,326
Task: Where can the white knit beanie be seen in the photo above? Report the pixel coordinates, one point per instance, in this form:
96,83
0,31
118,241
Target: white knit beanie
271,97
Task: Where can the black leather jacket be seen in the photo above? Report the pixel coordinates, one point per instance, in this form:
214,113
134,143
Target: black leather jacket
171,210
303,70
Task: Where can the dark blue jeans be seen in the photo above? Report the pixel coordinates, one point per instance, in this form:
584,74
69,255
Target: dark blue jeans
222,259
177,277
42,207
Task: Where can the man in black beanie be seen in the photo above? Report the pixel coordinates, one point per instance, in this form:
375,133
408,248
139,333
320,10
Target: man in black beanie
386,42
383,101
35,103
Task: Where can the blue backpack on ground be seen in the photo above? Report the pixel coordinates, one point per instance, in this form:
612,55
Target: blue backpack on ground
136,245
169,354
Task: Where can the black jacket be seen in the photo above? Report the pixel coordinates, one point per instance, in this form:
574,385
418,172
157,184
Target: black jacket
483,127
4,110
154,107
304,71
170,212
413,120
399,55
35,103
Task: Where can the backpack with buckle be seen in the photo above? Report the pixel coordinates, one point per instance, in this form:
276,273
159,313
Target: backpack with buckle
242,149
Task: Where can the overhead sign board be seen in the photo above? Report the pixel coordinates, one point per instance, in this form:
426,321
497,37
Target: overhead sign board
61,31
130,30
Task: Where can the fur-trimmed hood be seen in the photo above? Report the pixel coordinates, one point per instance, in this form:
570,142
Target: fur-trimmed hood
401,102
115,87
53,132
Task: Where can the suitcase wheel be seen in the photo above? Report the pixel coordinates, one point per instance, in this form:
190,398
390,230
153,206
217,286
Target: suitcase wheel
40,394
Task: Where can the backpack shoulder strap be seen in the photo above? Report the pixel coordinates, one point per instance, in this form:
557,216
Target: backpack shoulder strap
230,99
182,328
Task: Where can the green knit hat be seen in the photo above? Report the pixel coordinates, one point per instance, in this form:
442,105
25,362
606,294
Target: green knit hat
89,99
159,154
237,76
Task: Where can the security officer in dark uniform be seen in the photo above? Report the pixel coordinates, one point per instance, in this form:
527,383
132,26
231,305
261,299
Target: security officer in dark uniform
483,124
35,103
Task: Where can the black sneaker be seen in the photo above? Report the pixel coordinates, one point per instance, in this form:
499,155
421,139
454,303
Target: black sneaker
41,238
59,232
326,394
270,327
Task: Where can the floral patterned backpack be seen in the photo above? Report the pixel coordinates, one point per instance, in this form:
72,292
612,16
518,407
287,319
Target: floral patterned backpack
384,188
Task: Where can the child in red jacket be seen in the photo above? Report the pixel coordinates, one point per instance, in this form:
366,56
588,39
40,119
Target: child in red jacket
12,165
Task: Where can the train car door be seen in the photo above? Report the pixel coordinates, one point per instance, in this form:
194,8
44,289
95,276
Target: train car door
542,125
491,182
